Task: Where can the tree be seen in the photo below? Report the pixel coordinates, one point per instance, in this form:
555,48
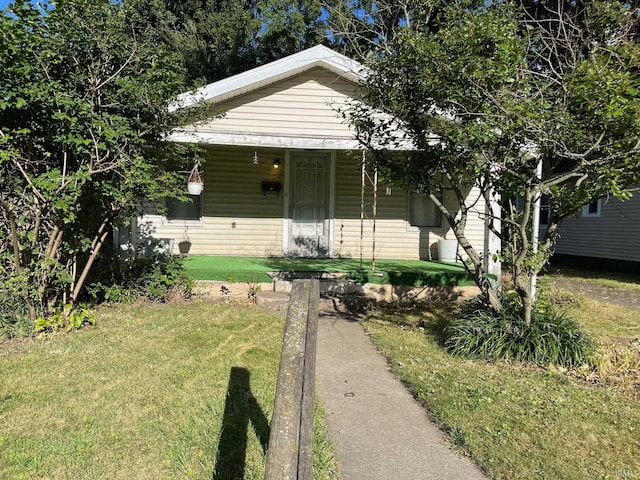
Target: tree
484,91
84,89
219,38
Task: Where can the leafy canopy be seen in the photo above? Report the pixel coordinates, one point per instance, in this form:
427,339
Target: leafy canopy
485,90
84,89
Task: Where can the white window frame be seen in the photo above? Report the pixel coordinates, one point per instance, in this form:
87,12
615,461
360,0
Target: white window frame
585,209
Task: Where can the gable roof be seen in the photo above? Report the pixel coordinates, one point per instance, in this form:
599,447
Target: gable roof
318,56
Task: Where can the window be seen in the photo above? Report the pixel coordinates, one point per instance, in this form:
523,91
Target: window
544,208
592,209
178,210
423,212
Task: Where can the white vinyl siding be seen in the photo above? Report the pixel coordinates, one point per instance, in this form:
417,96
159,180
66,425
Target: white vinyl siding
301,106
237,218
395,238
614,234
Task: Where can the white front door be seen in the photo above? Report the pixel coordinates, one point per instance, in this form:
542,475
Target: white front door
309,202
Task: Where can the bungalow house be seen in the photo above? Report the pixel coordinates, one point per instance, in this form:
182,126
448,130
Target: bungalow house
605,234
284,174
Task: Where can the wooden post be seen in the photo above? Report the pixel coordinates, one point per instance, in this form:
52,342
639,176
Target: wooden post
290,453
305,457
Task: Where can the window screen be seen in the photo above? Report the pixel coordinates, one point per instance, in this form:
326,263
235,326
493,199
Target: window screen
423,212
178,210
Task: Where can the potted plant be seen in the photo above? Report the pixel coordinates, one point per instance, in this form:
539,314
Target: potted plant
195,185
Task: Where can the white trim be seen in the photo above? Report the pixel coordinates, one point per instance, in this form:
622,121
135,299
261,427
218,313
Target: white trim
286,220
493,243
332,200
261,140
585,209
318,56
176,222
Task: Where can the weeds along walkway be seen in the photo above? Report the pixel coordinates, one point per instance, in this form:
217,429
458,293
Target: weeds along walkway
380,431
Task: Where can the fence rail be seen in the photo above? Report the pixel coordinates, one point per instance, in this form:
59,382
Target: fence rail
290,454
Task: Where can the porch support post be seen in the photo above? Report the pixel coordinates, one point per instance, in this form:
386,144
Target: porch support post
535,233
363,172
374,213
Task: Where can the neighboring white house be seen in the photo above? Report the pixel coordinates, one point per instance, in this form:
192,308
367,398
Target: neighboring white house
606,233
283,174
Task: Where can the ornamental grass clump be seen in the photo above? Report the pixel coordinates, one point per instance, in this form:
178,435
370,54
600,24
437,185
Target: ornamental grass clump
552,337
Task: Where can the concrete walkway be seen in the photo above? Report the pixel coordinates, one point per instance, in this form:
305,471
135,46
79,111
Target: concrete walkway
380,431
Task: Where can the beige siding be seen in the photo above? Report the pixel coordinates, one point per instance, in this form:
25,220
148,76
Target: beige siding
394,237
303,105
615,234
237,218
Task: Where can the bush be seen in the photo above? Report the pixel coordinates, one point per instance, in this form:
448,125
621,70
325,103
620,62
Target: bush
158,277
14,313
14,317
552,337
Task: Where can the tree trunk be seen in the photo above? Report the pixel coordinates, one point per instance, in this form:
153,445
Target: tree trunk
522,284
478,273
55,240
96,245
17,259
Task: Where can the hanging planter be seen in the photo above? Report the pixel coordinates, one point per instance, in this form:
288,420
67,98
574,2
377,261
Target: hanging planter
195,185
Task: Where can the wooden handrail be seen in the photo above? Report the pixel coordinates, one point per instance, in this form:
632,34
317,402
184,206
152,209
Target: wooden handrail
290,454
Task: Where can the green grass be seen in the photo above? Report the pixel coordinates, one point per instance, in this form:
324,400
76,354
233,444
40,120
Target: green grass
394,272
520,421
146,394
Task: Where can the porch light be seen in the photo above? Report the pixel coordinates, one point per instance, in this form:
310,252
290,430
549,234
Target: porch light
195,184
255,158
276,163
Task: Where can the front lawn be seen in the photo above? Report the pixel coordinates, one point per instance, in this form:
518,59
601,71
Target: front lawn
523,421
152,392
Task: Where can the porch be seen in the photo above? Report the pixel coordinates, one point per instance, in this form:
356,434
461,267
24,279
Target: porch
414,273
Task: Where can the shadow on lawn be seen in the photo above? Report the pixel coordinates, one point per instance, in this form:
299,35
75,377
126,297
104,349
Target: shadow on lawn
240,408
432,317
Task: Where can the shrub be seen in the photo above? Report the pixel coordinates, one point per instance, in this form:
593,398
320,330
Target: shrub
159,277
552,337
14,314
67,317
